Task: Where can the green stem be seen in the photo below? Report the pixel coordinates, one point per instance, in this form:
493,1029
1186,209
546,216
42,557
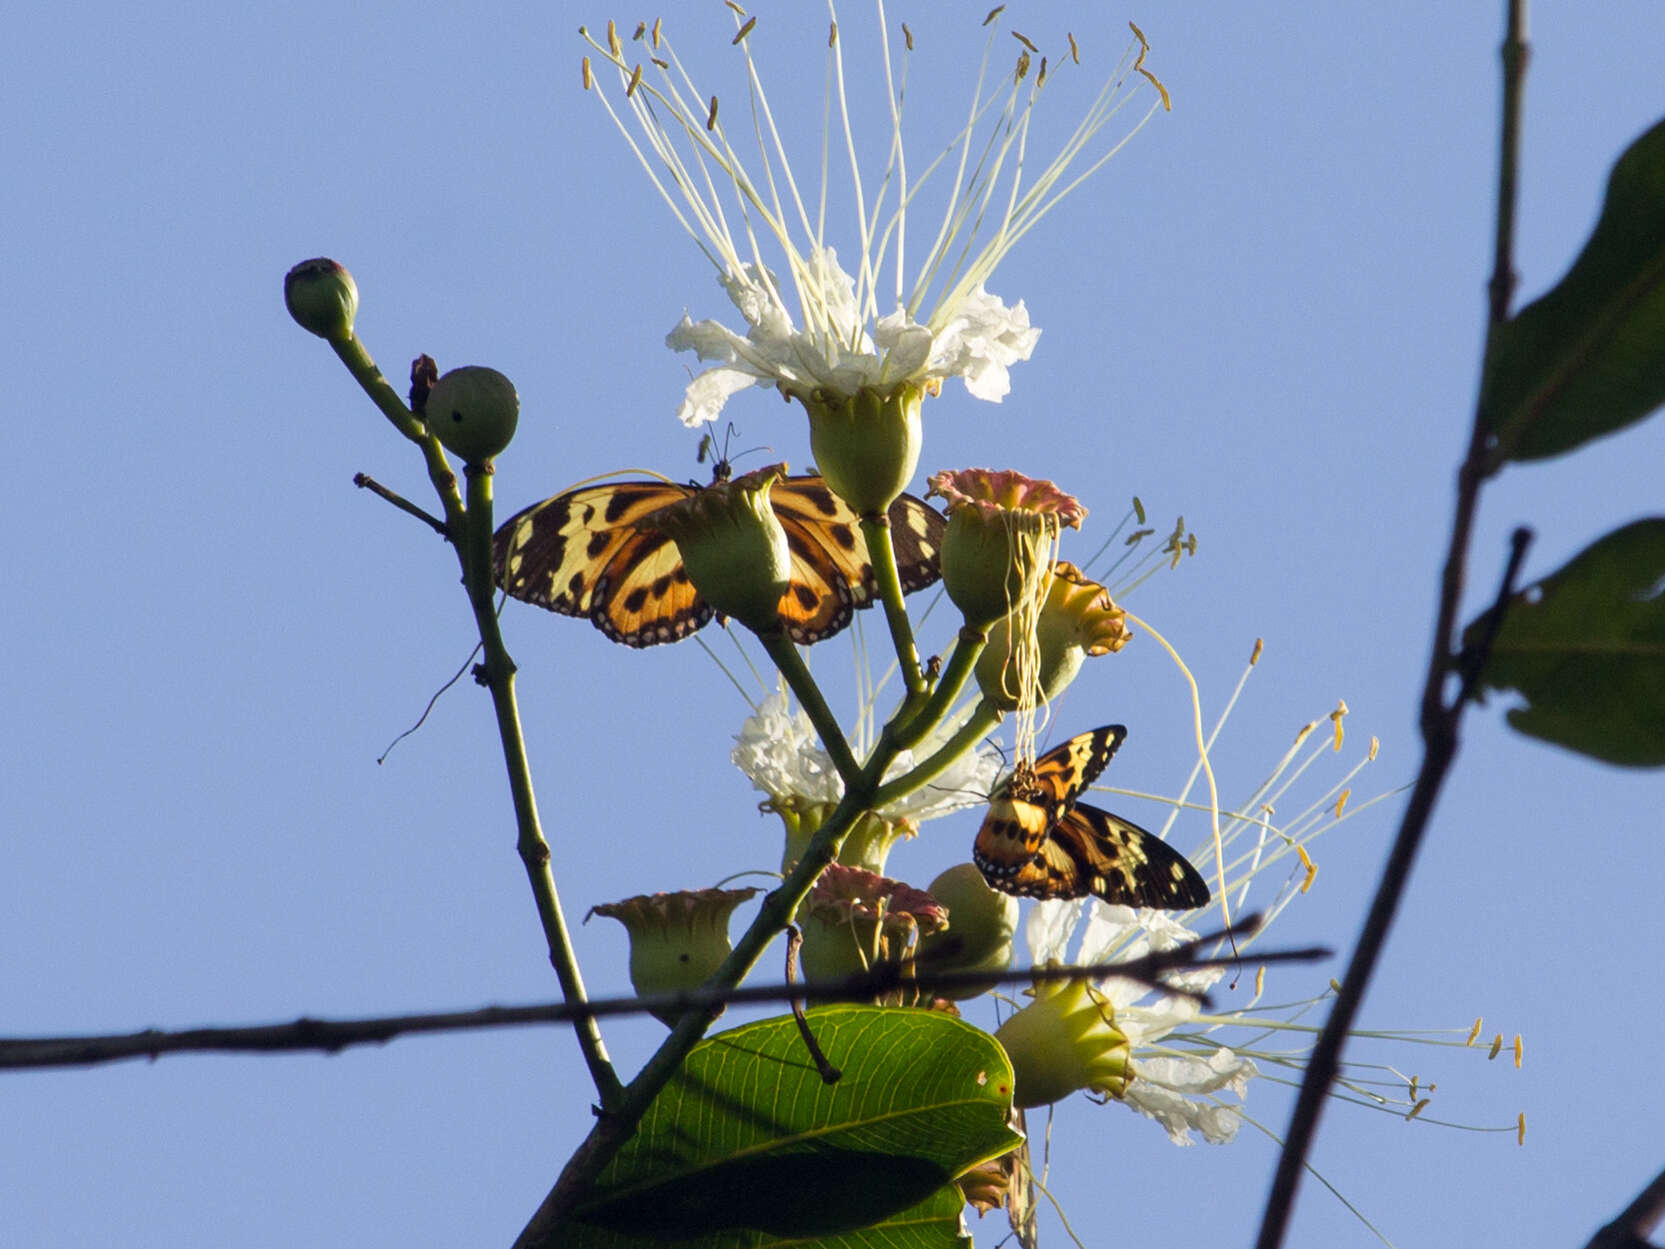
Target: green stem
792,667
475,551
613,1129
876,530
370,380
983,719
967,647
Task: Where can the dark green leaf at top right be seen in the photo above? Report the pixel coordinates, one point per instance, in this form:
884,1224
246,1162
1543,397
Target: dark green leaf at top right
1585,647
1588,358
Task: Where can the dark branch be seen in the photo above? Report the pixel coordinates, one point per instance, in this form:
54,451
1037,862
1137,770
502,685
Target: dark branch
333,1035
1439,721
1630,1230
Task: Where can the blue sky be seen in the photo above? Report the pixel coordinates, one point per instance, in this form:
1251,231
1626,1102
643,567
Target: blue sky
1265,314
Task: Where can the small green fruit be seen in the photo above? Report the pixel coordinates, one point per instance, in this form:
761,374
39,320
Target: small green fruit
322,297
473,412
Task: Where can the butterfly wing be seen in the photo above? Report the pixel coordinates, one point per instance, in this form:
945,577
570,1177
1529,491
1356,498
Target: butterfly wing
832,570
581,554
1034,798
1091,851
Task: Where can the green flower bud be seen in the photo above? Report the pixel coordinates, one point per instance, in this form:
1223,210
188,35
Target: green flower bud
733,546
1002,530
677,940
322,297
473,412
867,444
981,923
1077,619
854,919
1065,1040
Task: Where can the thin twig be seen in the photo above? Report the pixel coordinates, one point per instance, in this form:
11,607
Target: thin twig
829,1073
333,1035
1439,720
366,482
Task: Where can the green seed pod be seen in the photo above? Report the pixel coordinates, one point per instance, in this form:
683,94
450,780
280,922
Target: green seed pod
322,297
473,412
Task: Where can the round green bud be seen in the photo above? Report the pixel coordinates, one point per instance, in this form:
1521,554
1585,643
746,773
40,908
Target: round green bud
981,924
322,297
473,412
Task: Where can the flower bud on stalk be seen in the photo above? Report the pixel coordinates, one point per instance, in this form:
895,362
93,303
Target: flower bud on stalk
677,940
322,297
733,546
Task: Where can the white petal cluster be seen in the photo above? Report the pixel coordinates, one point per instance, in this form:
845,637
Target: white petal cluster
778,749
919,315
1177,1087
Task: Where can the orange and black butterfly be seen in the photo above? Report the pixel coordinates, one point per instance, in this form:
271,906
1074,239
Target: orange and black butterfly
584,553
1037,841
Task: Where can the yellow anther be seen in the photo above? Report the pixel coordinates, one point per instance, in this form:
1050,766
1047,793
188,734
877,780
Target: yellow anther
743,31
635,79
1341,802
1254,656
731,4
1040,74
1022,66
711,117
1191,544
1497,1047
657,22
1519,1051
1417,1109
1520,1129
1335,984
1260,980
907,36
1312,868
832,39
994,13
1024,40
613,44
1337,716
1413,1088
1075,55
1474,1032
1305,730
1139,67
586,65
1375,745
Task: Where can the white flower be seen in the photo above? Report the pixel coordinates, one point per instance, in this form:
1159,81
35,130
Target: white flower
819,327
1178,1088
778,749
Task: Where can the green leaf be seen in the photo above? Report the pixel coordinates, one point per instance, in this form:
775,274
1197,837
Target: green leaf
748,1147
1586,648
1589,357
